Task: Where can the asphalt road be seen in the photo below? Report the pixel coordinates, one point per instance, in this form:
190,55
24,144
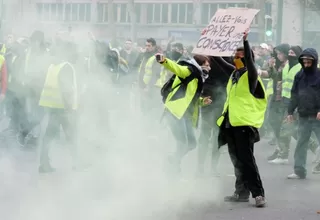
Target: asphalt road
125,180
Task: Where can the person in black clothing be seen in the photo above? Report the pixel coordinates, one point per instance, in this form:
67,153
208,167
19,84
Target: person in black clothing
214,86
241,139
305,95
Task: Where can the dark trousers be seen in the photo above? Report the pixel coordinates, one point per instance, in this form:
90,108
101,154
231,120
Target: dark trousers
240,145
57,118
306,127
183,133
276,117
208,137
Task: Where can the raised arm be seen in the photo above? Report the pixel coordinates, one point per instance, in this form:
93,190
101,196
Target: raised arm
180,71
252,70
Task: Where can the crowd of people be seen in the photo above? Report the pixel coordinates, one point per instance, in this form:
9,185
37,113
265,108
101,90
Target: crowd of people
258,92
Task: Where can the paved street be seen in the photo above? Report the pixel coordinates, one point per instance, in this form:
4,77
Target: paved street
125,181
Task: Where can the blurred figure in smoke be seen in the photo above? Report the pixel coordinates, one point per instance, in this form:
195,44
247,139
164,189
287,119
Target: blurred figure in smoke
149,74
34,67
128,53
59,98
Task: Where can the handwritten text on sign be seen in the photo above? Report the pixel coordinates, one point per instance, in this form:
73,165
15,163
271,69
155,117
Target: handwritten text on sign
225,31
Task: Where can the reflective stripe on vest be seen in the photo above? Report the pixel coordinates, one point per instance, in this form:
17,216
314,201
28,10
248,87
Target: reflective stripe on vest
51,95
148,74
243,108
288,78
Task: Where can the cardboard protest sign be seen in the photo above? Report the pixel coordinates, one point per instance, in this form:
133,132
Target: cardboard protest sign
225,32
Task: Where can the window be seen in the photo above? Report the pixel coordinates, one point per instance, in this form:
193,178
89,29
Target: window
67,12
39,11
222,5
75,12
190,14
46,12
88,12
123,13
60,12
165,13
182,13
82,12
102,12
149,13
115,12
53,14
157,8
174,13
205,11
138,12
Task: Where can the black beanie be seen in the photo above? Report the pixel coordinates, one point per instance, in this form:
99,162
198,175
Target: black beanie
283,48
297,50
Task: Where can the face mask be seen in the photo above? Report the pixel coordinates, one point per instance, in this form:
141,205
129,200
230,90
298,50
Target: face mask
238,63
292,58
205,73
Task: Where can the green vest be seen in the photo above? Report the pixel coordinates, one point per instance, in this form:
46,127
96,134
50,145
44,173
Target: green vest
288,78
243,108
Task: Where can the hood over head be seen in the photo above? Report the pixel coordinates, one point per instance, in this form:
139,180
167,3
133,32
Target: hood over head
309,53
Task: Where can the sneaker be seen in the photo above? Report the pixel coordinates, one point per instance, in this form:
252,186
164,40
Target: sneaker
279,161
316,169
274,155
294,176
236,198
260,201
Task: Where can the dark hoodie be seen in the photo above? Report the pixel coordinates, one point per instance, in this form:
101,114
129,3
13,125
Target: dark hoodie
305,93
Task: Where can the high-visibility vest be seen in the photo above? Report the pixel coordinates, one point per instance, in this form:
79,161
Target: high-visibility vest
2,59
51,96
243,108
148,73
3,49
288,78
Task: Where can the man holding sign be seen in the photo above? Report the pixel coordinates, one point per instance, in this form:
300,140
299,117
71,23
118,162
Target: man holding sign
242,116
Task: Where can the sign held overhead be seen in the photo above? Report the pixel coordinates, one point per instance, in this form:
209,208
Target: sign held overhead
225,31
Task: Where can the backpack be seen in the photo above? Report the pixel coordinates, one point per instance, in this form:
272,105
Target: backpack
167,87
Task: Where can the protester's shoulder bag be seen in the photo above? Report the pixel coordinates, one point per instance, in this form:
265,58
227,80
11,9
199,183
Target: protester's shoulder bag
167,87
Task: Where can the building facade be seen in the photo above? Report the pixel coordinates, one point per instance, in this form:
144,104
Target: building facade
113,18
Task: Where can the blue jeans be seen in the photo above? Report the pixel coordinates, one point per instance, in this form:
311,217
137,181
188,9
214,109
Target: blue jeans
306,127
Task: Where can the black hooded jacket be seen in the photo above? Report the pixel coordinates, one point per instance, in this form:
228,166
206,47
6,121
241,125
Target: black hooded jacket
305,92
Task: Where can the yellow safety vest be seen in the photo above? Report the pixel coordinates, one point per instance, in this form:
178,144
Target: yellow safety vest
288,78
165,75
3,49
243,108
2,59
148,74
51,95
